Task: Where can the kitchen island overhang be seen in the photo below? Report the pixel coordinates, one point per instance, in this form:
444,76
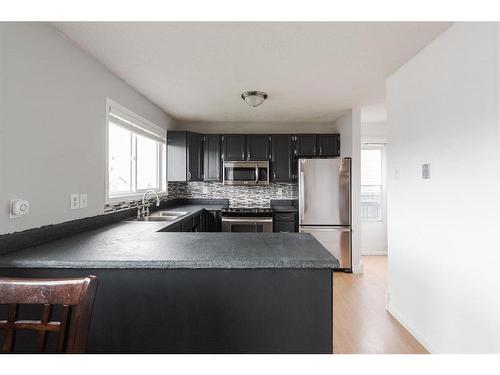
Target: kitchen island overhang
195,292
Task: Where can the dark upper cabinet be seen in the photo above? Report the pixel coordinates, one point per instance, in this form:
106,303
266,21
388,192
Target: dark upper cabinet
305,145
195,157
233,147
311,145
212,157
282,158
185,156
257,147
328,145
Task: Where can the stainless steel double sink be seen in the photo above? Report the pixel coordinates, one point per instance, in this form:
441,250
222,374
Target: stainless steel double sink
161,216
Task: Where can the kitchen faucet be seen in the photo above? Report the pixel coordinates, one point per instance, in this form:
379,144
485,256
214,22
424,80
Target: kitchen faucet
145,209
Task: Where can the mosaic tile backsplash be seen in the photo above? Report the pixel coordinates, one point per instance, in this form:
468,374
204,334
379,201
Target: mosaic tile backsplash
239,196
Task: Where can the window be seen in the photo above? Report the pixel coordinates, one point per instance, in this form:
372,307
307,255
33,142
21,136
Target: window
136,155
371,183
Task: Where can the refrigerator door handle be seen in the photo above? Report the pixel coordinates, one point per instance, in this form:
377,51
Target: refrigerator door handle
302,195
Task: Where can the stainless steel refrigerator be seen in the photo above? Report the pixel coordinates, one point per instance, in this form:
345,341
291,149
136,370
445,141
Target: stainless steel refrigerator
325,205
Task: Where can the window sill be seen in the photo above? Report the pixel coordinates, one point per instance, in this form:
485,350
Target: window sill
130,197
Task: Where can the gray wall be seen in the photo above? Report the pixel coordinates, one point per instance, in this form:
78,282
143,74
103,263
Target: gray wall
52,124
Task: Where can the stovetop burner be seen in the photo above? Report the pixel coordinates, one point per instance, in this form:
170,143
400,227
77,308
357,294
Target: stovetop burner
247,211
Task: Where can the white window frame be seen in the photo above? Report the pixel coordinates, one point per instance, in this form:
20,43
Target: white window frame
378,143
143,126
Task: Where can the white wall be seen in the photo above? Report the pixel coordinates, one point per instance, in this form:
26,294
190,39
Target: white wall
349,127
255,127
443,233
52,124
374,233
374,130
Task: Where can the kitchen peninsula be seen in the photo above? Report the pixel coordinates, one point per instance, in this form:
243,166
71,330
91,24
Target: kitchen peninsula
165,292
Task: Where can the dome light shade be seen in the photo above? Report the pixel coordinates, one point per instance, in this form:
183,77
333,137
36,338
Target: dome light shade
254,98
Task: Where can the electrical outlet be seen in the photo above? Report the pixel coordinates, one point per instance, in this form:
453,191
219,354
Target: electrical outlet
83,200
75,201
204,189
280,191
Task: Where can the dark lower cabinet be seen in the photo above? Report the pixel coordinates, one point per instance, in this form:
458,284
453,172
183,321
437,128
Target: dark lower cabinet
212,221
257,147
177,227
233,147
282,158
286,222
212,157
206,221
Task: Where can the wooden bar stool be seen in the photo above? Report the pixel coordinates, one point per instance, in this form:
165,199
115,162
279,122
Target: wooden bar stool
76,295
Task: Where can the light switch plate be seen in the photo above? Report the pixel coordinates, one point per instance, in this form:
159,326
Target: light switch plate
426,171
75,201
83,200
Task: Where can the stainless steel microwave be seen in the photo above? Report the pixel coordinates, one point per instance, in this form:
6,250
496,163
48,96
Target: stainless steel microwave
246,173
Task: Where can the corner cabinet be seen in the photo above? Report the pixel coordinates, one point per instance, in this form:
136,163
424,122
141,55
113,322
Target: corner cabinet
185,156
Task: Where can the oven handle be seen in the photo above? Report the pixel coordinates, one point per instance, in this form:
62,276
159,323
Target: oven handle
248,219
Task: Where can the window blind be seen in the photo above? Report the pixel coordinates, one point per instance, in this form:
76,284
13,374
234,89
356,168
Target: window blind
136,125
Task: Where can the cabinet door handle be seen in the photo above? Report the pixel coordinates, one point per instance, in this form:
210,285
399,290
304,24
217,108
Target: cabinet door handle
320,150
242,156
189,175
248,156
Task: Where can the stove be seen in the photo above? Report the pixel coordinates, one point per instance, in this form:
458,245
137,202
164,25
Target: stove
247,219
247,211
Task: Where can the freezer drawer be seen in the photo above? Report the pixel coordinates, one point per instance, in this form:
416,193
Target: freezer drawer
337,240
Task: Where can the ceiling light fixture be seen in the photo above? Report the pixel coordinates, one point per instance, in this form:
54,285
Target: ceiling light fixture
254,98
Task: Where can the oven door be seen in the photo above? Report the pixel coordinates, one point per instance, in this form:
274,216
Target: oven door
247,224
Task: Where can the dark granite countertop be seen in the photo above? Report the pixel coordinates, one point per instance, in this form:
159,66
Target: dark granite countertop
140,245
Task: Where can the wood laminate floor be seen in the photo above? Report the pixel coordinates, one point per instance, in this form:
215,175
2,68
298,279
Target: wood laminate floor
361,323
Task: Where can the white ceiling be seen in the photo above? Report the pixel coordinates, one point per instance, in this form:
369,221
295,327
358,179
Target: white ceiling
312,71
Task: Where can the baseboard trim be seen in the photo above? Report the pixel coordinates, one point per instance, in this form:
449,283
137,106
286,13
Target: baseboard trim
397,315
358,268
373,252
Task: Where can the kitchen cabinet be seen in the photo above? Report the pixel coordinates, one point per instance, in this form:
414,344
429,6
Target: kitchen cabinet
212,157
257,147
195,157
233,146
305,145
212,221
312,145
282,158
328,144
285,222
185,156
